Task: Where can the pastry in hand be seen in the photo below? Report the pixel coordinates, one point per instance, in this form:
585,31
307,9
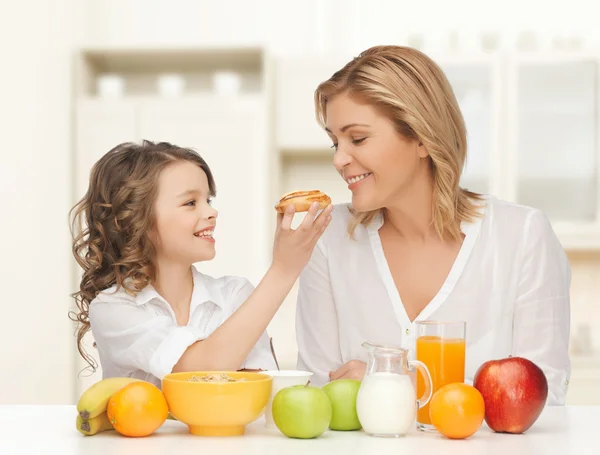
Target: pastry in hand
302,200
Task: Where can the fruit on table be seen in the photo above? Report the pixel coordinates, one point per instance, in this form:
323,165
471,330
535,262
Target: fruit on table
457,410
514,390
342,395
94,425
138,409
94,400
302,411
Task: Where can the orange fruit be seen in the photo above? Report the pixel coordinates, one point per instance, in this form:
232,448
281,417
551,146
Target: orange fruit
456,410
138,409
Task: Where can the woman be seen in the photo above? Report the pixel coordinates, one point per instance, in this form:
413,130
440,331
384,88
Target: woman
413,244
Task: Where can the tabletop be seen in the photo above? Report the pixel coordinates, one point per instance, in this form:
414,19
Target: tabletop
51,429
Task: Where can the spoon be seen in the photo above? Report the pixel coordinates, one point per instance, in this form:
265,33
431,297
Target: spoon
273,352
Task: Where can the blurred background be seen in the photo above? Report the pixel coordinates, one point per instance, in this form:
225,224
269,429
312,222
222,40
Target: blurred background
235,80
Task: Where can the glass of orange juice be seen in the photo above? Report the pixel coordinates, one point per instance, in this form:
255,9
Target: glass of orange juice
441,347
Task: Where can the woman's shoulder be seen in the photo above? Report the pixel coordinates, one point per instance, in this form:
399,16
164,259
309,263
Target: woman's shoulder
341,216
342,213
337,234
514,219
502,211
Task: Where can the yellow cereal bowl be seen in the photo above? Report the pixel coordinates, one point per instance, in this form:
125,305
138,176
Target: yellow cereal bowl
217,408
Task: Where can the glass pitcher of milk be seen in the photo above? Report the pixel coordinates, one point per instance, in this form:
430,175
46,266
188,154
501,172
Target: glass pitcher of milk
386,403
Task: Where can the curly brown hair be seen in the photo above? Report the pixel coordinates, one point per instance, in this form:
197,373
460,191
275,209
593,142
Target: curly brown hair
110,225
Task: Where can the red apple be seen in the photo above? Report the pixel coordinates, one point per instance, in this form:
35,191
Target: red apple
514,391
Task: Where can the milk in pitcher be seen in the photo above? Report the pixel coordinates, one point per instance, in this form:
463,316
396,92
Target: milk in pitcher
386,404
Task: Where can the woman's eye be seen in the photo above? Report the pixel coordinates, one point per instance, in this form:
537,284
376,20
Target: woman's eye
358,141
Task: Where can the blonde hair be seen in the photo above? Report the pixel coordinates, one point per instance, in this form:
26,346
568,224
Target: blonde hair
111,224
412,90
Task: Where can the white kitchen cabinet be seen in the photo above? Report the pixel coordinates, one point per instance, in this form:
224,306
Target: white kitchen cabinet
99,126
552,126
476,83
296,79
557,137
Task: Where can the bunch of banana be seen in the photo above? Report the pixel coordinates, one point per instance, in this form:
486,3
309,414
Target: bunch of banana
91,407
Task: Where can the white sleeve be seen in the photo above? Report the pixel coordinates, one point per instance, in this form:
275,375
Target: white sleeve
135,339
260,356
542,313
317,332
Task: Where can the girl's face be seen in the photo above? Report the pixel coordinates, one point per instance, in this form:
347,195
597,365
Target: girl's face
185,220
379,164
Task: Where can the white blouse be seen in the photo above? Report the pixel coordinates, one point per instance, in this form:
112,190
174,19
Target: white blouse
139,336
510,282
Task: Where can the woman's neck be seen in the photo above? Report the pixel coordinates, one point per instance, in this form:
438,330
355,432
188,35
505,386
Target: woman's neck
411,214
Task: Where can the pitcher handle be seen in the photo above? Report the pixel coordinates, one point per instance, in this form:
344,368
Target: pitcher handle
422,401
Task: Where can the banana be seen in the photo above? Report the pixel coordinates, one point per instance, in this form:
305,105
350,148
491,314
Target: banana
94,400
94,425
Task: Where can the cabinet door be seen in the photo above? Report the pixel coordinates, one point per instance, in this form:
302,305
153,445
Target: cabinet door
557,137
99,125
231,135
296,81
474,86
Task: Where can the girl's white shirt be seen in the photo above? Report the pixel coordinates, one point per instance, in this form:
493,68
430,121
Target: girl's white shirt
139,336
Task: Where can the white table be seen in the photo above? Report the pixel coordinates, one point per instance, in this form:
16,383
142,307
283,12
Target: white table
51,429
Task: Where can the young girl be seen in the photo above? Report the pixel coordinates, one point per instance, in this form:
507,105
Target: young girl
148,219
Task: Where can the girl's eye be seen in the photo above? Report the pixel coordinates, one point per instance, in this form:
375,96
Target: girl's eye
191,203
209,201
334,146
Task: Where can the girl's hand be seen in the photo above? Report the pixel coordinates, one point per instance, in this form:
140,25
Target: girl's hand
292,248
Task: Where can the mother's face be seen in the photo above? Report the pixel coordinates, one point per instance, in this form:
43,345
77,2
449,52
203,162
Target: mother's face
378,163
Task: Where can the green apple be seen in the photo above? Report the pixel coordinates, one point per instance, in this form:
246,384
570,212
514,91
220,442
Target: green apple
342,395
301,411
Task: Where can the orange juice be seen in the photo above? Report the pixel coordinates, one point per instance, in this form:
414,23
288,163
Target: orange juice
445,360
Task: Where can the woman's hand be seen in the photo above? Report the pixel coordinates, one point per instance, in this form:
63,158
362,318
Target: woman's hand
292,248
355,369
